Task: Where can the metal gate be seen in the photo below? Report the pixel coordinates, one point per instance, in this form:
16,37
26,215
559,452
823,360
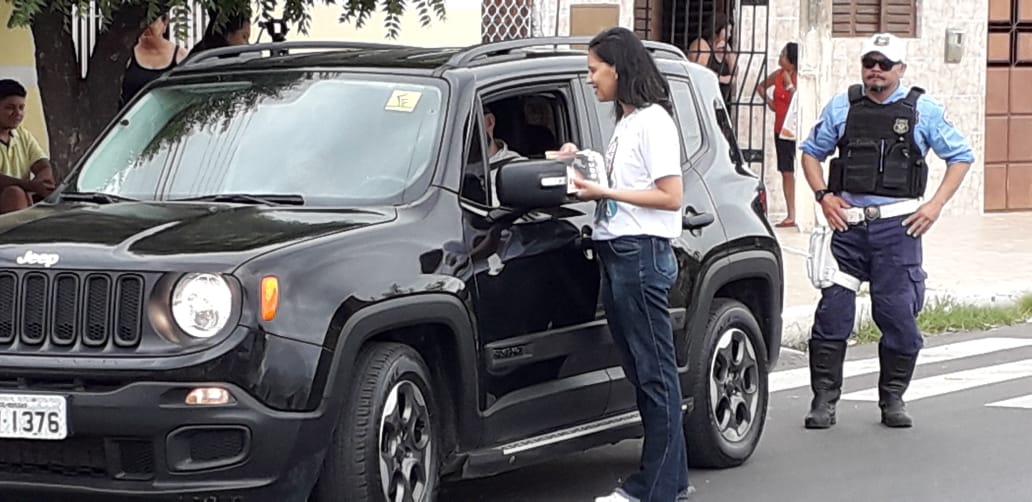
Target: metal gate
683,22
87,19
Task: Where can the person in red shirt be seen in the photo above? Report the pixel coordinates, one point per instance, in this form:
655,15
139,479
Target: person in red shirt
784,82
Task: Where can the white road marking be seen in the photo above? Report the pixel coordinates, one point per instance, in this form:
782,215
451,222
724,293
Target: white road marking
800,377
1018,402
952,382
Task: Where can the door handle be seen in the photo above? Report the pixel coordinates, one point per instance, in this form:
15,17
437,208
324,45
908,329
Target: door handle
695,220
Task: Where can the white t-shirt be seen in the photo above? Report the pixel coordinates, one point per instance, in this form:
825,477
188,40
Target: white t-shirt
645,147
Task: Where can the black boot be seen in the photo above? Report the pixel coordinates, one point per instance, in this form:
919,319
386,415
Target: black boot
826,359
896,372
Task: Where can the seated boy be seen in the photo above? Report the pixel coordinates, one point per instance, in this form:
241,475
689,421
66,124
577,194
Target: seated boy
25,173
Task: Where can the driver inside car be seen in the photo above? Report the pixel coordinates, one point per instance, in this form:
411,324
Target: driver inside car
498,152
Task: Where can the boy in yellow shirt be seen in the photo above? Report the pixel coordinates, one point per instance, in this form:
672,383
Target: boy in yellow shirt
26,176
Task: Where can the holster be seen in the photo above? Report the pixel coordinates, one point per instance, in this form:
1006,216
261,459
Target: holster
821,265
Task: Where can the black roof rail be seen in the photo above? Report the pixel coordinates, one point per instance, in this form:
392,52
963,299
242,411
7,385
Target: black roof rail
281,48
466,56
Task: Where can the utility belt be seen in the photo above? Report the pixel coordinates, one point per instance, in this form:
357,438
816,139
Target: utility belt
821,265
858,215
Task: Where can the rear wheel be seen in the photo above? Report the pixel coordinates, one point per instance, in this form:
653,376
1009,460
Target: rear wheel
729,388
385,446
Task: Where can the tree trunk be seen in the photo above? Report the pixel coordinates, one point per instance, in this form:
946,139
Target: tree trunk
77,110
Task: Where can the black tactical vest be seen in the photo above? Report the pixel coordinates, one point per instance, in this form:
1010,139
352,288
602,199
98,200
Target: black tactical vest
878,155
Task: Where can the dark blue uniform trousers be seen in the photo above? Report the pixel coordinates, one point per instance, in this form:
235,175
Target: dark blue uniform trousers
881,253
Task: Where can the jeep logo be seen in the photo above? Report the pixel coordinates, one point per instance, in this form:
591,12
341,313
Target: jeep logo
45,259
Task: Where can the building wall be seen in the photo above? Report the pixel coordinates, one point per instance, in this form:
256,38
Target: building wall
18,61
460,27
829,65
548,14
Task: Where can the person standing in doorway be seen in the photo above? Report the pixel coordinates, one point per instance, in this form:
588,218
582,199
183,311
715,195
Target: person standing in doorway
713,50
874,199
784,83
637,216
152,56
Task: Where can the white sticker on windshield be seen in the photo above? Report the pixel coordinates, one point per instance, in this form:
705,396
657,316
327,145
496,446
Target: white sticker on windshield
403,101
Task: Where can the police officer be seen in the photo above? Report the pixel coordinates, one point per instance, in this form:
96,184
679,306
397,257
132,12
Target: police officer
875,200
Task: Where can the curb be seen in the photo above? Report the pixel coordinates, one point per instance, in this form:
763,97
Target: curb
797,320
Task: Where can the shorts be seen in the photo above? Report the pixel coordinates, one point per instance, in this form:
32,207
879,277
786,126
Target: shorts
786,154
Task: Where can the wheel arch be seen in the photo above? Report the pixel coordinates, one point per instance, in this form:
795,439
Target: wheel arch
435,325
754,278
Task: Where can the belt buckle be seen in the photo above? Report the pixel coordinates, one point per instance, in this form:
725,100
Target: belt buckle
872,212
854,216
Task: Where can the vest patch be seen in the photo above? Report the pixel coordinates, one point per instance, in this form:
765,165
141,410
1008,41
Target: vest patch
902,126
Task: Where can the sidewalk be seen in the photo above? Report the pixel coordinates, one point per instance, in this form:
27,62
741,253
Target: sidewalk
979,259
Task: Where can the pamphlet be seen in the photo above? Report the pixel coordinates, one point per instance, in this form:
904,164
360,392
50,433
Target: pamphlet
586,165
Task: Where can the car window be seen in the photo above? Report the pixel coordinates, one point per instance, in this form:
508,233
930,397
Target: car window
687,116
521,123
327,137
474,173
727,130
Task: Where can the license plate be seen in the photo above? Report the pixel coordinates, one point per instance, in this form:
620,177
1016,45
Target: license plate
26,416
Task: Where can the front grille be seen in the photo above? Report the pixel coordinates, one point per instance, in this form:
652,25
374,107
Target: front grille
73,457
92,310
91,457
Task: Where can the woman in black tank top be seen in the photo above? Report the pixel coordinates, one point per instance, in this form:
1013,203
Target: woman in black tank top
711,51
153,55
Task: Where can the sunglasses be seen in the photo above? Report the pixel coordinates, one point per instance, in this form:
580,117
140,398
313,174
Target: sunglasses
884,64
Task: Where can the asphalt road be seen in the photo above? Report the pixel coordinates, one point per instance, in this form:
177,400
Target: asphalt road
971,400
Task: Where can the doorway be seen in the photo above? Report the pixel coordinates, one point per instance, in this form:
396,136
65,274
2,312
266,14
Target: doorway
681,22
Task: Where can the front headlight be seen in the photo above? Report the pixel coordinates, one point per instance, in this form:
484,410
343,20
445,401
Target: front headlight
202,304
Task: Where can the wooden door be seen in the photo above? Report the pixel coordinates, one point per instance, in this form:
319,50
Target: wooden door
1008,107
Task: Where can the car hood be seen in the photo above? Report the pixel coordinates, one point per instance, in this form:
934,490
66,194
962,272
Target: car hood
165,236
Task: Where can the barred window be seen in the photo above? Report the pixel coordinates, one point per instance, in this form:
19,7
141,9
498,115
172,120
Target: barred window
858,18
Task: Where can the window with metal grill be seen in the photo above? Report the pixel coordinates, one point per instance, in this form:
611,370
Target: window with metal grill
860,18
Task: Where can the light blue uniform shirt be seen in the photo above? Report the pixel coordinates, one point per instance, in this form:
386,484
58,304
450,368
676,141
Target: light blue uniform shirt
933,130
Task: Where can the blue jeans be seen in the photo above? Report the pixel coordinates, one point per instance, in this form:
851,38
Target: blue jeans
879,252
638,273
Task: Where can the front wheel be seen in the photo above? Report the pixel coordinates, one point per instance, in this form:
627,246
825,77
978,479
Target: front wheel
728,375
385,446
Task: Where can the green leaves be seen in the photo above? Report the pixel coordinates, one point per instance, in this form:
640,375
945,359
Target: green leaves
297,13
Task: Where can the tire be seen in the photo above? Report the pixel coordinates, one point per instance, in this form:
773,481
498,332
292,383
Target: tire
713,440
355,470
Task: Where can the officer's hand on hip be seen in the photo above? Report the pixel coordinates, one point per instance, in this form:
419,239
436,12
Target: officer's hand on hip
919,222
833,206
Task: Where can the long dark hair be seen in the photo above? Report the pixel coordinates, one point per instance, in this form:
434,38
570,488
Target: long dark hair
215,33
719,22
640,83
792,54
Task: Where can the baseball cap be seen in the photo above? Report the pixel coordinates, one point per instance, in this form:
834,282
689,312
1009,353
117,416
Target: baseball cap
888,45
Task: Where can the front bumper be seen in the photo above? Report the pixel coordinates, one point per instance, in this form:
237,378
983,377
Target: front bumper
142,442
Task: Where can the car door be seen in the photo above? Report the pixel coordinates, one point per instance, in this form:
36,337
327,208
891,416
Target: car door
536,288
702,229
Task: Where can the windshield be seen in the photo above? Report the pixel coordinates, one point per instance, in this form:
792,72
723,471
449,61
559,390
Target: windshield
328,138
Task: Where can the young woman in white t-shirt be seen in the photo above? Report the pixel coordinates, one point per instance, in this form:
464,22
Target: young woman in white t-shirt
637,216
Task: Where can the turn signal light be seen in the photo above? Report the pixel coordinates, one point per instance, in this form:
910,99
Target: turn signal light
270,297
207,396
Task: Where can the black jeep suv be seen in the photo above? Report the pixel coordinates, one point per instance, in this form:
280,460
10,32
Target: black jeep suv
296,270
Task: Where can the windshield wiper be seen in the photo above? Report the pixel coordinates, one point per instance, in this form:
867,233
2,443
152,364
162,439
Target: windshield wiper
267,199
98,197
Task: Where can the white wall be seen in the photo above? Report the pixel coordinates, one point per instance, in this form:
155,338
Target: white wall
461,26
549,12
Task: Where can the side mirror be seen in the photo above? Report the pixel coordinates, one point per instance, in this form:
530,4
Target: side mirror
533,184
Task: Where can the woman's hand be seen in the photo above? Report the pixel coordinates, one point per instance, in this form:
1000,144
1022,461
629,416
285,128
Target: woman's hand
587,190
568,150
